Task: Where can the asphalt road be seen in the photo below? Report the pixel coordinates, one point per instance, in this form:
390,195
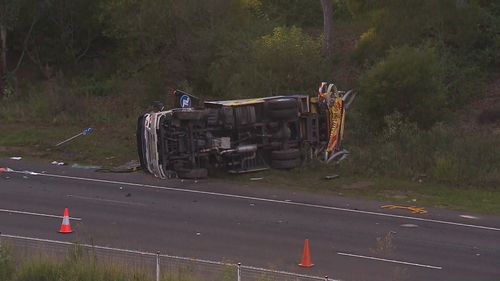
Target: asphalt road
258,226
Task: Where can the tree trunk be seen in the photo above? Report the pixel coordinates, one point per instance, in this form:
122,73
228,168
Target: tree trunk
3,58
327,28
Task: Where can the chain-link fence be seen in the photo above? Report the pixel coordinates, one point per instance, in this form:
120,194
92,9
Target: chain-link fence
155,265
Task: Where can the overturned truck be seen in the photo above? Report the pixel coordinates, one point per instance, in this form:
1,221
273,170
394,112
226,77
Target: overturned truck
242,135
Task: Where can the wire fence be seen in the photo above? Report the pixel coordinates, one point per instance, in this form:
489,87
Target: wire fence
156,265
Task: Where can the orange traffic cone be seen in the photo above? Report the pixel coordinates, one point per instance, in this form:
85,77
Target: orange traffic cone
306,256
65,226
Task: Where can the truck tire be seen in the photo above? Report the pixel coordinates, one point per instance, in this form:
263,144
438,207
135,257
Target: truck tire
286,164
288,154
282,103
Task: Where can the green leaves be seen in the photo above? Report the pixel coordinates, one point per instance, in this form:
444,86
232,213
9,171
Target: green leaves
409,81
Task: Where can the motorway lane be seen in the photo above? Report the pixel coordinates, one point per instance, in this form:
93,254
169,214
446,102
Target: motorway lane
253,232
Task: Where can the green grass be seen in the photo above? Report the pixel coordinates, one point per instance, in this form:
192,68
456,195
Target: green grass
401,191
78,265
105,146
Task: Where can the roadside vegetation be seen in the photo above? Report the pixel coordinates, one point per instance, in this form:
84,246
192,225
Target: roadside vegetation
426,121
79,265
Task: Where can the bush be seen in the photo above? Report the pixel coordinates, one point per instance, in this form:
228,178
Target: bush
410,81
286,61
441,154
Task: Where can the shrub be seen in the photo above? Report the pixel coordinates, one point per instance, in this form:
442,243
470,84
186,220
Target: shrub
441,154
286,61
410,81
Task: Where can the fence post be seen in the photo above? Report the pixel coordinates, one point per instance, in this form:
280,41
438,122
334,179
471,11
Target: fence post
158,266
239,271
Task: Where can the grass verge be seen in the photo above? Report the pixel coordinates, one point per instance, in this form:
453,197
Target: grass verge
84,264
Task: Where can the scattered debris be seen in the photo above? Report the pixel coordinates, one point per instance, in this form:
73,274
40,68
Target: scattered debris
85,132
129,167
469,217
58,163
198,233
252,204
256,179
413,209
16,158
87,167
331,177
409,225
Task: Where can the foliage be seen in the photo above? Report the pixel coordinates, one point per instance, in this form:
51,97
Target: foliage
441,154
287,60
427,81
409,81
466,29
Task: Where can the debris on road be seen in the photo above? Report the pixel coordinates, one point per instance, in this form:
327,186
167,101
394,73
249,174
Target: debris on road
413,209
129,167
16,158
87,167
85,132
256,179
469,217
3,170
331,177
58,163
410,225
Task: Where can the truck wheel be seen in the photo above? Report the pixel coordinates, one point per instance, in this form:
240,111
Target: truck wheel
288,154
282,103
199,173
282,109
286,164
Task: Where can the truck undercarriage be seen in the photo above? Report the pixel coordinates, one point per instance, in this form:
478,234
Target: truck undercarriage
242,135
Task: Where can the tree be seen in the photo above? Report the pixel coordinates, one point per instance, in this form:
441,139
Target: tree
8,15
327,28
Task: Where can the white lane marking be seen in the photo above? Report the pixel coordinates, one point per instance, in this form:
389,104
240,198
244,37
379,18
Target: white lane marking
36,214
162,255
266,200
391,261
104,200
